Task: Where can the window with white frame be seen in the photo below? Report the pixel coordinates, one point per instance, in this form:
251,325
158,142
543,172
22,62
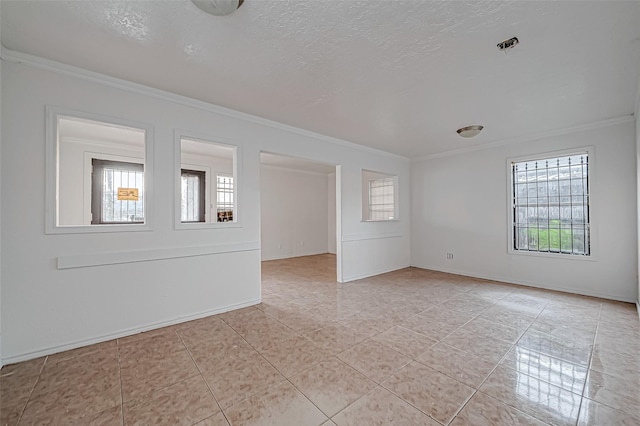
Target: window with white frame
550,205
117,192
205,177
381,199
225,203
98,173
379,196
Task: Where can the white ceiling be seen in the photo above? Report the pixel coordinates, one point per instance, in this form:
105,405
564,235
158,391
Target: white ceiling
400,76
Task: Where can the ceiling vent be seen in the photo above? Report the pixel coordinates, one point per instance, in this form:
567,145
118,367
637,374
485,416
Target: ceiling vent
508,44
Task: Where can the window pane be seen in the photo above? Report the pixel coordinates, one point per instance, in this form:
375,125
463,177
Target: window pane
207,183
193,196
225,204
381,199
117,192
556,195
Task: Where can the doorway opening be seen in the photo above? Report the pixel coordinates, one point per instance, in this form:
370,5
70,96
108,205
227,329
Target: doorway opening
299,210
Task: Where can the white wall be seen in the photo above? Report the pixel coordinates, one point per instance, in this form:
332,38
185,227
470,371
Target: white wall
294,220
177,274
331,212
372,246
1,139
638,188
459,205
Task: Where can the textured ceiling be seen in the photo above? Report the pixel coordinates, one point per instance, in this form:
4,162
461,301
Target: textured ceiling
400,76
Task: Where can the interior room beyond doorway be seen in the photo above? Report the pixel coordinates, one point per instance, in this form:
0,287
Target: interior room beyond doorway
298,207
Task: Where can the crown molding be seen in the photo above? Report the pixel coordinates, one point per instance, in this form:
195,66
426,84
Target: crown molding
295,170
531,137
95,77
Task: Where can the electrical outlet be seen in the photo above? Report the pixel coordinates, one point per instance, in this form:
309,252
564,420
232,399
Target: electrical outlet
450,256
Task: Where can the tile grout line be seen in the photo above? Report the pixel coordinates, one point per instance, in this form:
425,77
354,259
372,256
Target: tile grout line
413,359
287,379
491,372
498,364
262,356
380,385
120,377
32,390
593,346
306,397
203,379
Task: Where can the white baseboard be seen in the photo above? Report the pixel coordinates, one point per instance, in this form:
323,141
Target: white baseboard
373,274
527,284
129,332
638,307
291,256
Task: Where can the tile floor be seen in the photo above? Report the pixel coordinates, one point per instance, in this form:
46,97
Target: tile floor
412,347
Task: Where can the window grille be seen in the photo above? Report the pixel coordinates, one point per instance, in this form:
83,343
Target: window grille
551,205
193,196
381,199
225,201
109,180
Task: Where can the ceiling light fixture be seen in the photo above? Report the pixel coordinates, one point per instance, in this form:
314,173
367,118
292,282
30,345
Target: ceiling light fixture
470,131
218,7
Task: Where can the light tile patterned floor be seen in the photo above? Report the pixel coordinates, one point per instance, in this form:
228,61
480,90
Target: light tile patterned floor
412,347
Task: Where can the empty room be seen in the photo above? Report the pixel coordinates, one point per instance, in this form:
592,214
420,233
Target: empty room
319,212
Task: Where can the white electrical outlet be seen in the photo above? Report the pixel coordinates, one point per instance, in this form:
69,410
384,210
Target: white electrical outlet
450,256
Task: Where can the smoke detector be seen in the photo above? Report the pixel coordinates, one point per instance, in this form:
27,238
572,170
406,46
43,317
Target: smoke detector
508,44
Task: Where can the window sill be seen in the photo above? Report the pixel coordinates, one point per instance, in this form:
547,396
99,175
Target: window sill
556,256
91,229
206,225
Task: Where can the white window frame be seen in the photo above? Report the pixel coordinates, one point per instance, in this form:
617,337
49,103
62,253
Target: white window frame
593,235
178,166
52,114
369,176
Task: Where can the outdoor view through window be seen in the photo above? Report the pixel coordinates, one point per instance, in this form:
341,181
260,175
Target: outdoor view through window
551,205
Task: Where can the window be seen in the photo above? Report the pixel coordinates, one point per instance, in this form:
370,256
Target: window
225,198
117,192
193,205
206,184
379,196
550,205
99,173
381,205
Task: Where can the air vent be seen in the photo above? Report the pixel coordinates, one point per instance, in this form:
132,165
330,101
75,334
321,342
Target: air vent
508,44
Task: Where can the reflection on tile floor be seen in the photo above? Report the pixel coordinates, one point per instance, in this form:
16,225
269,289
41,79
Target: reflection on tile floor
410,347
